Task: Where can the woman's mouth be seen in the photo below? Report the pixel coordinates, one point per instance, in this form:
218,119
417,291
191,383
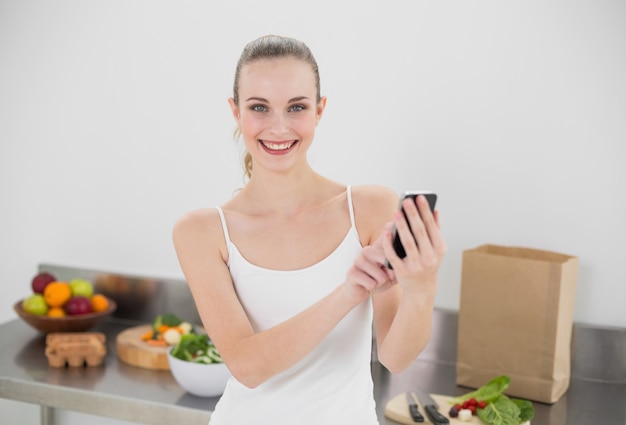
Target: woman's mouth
278,147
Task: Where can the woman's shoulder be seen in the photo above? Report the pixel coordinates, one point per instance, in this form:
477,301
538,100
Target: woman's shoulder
197,216
372,194
203,221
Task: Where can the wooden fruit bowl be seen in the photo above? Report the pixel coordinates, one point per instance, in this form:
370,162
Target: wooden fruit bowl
77,323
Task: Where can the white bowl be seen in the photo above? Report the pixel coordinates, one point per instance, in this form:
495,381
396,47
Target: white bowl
202,380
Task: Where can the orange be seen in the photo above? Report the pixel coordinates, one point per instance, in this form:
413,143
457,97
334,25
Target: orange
57,294
99,303
56,312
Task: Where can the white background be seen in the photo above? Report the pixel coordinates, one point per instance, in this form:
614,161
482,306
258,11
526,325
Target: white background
114,122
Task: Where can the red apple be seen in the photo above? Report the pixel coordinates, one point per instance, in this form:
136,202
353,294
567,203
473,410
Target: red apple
78,305
40,281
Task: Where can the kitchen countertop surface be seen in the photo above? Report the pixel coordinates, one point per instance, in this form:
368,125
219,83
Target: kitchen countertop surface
129,393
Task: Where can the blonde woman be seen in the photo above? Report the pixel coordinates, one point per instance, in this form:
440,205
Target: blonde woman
288,275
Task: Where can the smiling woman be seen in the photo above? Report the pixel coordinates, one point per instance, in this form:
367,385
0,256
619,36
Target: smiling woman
289,275
272,120
267,48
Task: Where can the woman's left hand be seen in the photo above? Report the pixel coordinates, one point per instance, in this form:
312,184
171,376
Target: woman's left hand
423,244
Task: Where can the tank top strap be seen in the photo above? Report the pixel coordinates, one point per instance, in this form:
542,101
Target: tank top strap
223,220
350,207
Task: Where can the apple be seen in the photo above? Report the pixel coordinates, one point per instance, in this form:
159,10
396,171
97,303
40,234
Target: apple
81,288
35,304
78,305
40,281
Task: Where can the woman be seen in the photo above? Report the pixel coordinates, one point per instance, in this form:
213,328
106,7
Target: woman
288,275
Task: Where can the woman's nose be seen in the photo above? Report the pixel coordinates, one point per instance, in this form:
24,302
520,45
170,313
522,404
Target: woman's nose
279,123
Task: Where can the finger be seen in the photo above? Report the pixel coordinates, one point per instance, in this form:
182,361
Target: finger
429,217
375,252
356,277
432,226
390,253
412,237
426,221
385,286
436,215
369,268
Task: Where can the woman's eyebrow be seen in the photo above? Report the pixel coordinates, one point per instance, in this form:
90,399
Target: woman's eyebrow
262,99
298,99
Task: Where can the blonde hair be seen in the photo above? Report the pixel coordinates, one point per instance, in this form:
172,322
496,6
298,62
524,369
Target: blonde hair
271,47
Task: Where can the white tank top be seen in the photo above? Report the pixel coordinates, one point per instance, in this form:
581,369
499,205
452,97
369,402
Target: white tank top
333,383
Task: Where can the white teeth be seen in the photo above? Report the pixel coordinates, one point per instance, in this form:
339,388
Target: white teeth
278,146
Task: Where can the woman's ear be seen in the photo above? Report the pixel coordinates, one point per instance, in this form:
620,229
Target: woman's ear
234,108
319,110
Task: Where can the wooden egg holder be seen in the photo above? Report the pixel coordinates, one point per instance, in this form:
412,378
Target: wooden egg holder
75,349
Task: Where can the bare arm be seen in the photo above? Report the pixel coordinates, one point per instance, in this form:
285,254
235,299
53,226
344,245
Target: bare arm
403,310
252,357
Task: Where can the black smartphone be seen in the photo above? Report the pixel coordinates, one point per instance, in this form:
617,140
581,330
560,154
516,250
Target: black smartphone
397,244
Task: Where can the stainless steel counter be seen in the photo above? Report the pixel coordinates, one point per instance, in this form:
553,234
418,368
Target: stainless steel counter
125,392
113,390
597,393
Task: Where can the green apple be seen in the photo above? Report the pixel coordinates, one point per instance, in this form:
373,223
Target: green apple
81,288
35,304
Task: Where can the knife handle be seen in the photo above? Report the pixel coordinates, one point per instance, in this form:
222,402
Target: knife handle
415,414
434,415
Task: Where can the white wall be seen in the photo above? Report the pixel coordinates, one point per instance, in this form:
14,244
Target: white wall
114,121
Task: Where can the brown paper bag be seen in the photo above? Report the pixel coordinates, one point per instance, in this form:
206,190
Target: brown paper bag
516,318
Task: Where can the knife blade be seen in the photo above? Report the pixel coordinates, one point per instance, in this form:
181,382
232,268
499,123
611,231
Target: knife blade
431,408
413,409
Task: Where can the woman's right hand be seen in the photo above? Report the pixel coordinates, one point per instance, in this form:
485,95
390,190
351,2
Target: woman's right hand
368,272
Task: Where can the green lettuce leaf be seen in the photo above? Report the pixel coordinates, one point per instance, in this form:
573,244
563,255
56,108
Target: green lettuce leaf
189,345
527,411
502,411
488,392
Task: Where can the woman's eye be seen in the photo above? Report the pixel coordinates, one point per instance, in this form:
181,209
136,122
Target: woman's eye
297,108
258,108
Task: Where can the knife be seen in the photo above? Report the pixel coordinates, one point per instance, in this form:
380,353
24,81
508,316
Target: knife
430,407
413,411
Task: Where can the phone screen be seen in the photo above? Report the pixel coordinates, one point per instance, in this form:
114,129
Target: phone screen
397,244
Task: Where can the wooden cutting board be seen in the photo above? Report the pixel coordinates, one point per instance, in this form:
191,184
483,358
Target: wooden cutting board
132,350
397,409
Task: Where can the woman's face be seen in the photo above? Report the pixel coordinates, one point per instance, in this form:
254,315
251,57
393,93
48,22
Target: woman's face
277,111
